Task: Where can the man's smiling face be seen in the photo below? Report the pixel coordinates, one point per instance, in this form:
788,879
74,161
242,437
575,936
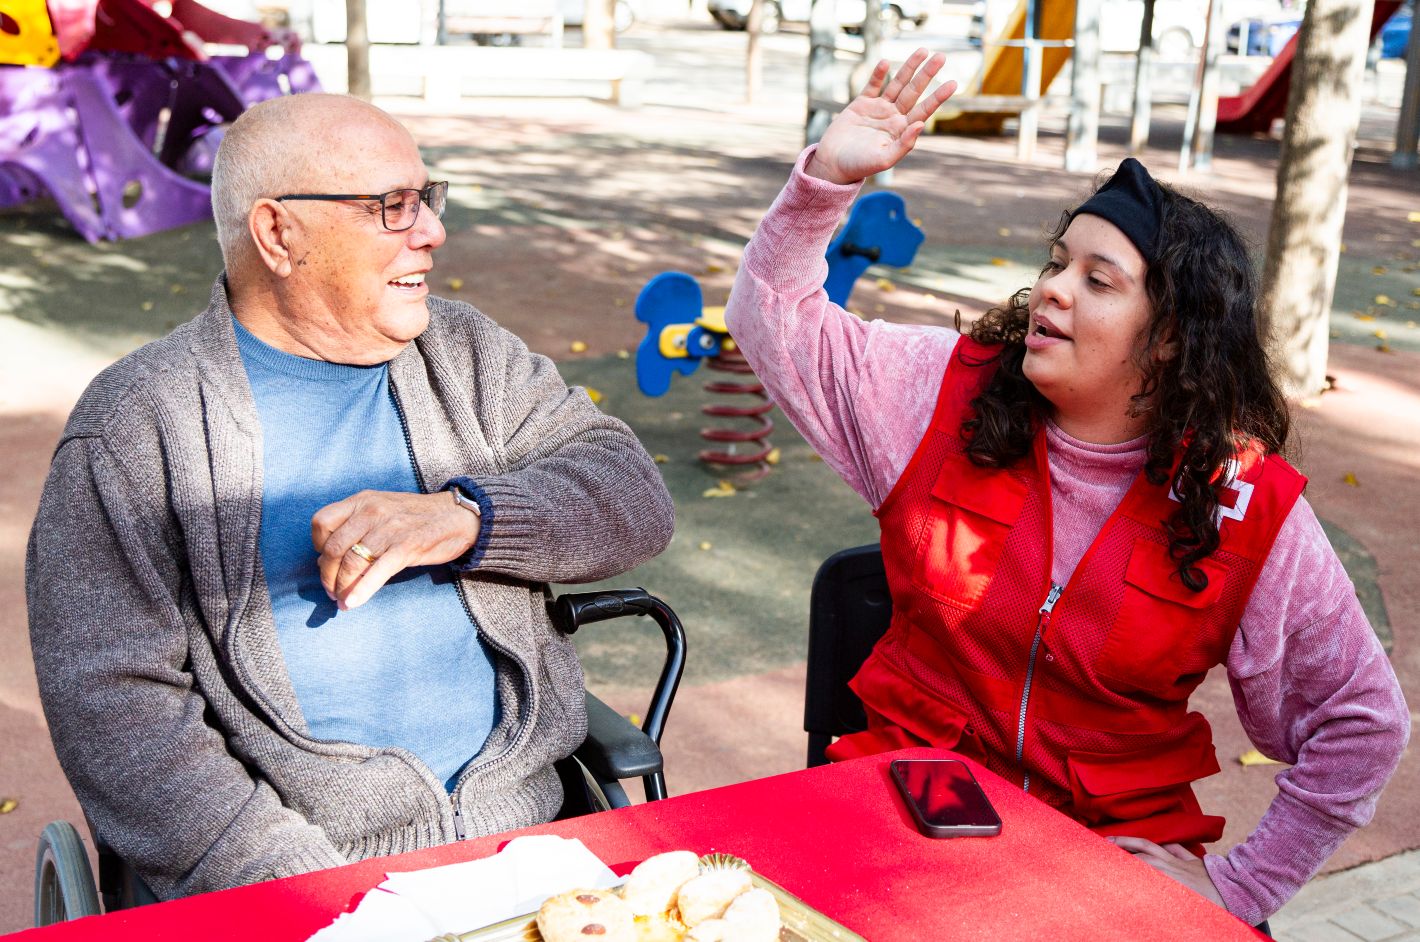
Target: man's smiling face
357,288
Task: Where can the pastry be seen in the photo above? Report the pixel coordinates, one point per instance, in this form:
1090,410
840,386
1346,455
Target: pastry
753,916
651,888
710,894
582,915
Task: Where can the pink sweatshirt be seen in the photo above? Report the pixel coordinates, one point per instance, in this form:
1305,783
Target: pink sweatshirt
1312,685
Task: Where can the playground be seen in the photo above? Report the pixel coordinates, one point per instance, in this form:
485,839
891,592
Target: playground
561,211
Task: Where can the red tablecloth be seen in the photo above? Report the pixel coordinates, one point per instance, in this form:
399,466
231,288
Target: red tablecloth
838,837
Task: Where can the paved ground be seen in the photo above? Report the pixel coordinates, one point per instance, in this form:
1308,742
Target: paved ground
563,209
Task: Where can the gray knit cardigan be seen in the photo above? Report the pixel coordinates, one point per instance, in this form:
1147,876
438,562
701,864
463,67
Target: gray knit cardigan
158,662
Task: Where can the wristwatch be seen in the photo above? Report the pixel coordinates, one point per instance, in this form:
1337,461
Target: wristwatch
467,503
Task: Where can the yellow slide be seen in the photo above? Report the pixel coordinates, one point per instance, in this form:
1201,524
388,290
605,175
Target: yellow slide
1002,66
26,36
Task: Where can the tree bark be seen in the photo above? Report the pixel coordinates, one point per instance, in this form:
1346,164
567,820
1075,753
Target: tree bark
357,50
1304,242
599,24
754,56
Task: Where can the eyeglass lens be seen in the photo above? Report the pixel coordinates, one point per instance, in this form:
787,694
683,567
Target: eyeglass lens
401,207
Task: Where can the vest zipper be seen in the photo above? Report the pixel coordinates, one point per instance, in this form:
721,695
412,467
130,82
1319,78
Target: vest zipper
458,824
1040,625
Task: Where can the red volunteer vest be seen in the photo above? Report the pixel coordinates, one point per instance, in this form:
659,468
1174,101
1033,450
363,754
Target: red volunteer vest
1085,705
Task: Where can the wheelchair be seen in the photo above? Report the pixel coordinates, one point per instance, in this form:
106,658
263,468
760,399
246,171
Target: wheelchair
614,751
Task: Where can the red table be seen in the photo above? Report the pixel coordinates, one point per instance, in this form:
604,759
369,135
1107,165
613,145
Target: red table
838,837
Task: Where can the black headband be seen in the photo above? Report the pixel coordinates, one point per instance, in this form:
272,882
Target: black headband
1133,201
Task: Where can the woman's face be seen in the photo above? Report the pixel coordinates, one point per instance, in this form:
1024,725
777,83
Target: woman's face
1089,313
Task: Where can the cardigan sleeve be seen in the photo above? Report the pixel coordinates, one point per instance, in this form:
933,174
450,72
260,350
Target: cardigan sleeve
111,657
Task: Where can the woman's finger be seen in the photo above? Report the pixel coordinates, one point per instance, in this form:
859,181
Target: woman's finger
904,75
1181,852
919,82
874,88
1141,847
929,105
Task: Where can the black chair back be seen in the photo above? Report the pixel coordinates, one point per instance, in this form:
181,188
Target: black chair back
849,610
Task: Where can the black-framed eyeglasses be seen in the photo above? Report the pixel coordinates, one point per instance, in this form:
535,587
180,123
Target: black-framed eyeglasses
398,208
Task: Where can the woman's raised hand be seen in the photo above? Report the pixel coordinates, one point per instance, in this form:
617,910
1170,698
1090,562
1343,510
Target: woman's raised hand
880,126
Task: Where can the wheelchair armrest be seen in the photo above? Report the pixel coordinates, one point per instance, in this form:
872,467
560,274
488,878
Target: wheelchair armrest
614,748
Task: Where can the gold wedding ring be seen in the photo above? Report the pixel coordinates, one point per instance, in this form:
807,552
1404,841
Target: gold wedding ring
363,551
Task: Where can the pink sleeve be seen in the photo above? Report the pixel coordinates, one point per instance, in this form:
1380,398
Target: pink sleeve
1313,688
861,392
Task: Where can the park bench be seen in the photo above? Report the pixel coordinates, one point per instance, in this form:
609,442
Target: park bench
504,18
443,74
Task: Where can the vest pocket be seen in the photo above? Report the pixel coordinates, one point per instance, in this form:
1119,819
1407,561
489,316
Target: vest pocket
1160,625
969,515
1146,783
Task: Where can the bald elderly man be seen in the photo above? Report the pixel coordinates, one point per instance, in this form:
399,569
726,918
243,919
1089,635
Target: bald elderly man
287,583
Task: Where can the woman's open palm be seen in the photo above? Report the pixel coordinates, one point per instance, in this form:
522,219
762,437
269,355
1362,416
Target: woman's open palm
880,126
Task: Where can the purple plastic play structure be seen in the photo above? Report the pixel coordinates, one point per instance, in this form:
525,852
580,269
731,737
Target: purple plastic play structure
116,138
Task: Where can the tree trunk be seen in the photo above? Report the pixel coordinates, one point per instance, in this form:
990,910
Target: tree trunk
599,24
357,50
1304,242
754,56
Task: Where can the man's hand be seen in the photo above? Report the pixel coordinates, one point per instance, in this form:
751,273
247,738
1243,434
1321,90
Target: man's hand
1175,861
399,530
880,126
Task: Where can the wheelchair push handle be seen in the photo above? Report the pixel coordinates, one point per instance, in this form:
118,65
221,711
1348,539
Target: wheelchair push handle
576,609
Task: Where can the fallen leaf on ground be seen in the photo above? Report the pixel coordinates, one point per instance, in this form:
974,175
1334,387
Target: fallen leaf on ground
714,268
1415,291
879,308
1415,217
1253,757
1378,334
773,456
623,354
8,804
1003,232
635,719
661,459
1343,248
455,284
1379,270
721,489
917,221
147,305
1349,478
1363,317
999,262
1385,299
1384,347
706,545
885,285
579,346
595,395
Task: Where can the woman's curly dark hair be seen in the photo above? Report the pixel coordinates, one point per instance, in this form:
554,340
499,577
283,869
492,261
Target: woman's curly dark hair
1212,396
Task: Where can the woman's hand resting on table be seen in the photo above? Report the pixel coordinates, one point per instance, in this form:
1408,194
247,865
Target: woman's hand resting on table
1175,861
880,126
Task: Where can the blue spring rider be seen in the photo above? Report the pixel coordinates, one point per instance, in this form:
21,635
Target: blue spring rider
681,332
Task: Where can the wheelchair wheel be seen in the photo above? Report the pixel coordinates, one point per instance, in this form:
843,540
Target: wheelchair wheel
64,882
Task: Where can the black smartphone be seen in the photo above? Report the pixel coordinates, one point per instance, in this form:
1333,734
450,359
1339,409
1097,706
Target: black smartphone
944,798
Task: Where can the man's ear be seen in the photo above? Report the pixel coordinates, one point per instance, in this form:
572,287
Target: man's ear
269,225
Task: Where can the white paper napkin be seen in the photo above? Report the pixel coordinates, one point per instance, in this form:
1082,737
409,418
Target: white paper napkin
415,906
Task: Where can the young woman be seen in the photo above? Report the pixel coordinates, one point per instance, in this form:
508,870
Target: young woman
1083,510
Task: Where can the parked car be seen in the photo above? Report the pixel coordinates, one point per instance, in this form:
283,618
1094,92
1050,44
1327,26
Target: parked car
1395,34
573,11
1263,35
734,14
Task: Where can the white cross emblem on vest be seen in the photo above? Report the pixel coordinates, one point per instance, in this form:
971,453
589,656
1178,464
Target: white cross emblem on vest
1239,491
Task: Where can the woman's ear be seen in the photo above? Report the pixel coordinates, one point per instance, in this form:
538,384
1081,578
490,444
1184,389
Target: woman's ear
270,226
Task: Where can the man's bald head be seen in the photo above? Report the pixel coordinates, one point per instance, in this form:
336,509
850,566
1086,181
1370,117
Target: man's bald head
291,144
